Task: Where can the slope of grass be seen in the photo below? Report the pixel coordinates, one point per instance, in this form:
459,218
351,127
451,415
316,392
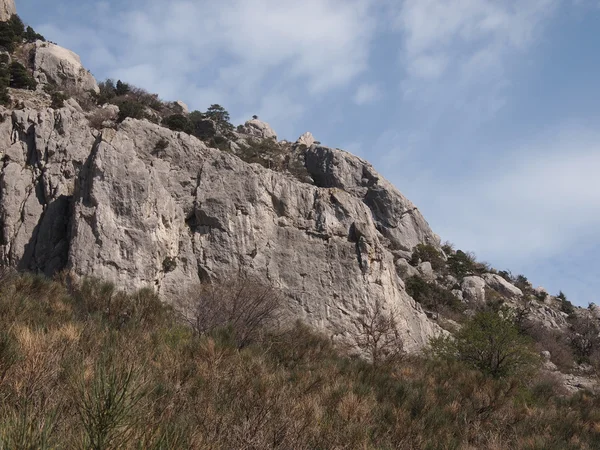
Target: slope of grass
84,366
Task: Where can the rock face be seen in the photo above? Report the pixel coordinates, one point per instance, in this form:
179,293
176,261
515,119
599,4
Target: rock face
106,205
7,9
258,128
53,64
306,139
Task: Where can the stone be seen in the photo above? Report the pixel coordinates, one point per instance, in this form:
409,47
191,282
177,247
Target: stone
53,64
258,128
405,270
7,10
181,107
473,289
426,271
306,139
499,284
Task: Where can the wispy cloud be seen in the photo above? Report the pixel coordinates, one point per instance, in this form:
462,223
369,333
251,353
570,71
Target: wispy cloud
367,93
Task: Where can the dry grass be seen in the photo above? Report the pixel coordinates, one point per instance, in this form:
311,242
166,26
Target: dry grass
85,366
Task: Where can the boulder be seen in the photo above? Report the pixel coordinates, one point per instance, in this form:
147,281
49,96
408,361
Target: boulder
405,270
473,289
258,128
56,65
181,107
426,271
306,139
499,284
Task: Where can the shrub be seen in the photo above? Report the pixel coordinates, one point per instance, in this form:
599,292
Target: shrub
20,78
584,337
58,100
428,253
122,88
432,296
178,122
490,343
378,335
130,108
565,305
241,307
462,264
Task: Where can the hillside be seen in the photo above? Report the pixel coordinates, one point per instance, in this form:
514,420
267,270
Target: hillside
170,259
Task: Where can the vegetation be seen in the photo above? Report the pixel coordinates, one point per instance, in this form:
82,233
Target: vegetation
13,33
428,253
491,343
85,366
94,368
432,296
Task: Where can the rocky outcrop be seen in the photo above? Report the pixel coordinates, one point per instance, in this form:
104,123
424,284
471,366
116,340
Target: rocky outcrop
7,9
306,139
109,205
58,66
499,284
258,128
473,289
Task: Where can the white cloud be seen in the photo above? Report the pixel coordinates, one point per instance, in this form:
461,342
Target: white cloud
239,51
437,31
367,93
532,202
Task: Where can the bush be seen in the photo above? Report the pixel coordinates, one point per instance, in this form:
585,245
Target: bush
432,296
428,253
58,100
178,122
490,343
584,338
20,78
462,264
130,108
378,335
242,308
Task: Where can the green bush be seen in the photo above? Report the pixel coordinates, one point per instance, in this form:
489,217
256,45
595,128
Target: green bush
432,296
428,253
178,122
130,108
20,78
462,264
489,342
58,100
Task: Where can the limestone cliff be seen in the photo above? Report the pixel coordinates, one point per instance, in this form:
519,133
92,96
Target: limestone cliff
107,204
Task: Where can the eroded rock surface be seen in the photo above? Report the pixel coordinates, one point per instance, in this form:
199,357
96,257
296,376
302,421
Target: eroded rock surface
106,204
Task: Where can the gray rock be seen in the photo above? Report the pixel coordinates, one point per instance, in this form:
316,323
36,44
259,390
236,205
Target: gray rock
427,271
258,128
107,205
306,139
473,289
57,65
405,270
499,284
7,9
181,107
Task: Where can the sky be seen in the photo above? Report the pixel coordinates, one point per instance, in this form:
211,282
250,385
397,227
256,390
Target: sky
484,113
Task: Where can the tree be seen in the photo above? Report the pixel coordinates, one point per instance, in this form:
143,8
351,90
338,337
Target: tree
20,78
122,88
31,36
242,307
378,336
220,116
584,338
489,342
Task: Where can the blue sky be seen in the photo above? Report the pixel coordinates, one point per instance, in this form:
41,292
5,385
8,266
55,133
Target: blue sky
485,113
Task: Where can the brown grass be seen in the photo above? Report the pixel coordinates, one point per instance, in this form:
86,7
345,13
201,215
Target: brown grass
86,366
